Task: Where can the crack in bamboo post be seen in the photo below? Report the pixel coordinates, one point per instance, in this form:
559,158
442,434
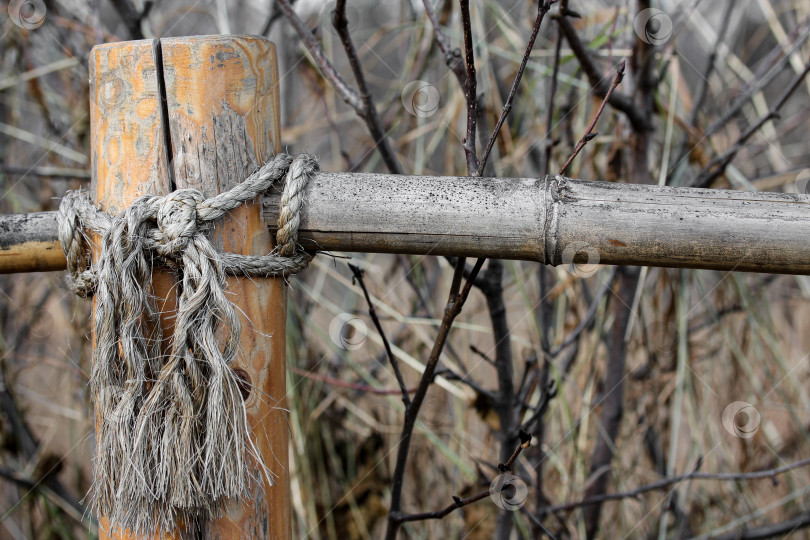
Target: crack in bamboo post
221,96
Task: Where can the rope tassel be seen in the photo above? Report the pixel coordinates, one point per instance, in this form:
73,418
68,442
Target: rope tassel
173,441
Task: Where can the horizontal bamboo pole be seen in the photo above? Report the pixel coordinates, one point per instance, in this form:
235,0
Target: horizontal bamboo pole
553,221
556,220
28,243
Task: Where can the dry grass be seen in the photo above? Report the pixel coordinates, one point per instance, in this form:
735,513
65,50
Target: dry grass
699,341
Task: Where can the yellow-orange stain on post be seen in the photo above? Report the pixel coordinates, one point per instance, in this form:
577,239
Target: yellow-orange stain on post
146,109
127,149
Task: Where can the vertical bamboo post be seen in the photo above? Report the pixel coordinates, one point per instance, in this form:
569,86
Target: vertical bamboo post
202,112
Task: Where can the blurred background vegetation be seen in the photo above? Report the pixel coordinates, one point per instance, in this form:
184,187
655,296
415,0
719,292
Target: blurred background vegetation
676,347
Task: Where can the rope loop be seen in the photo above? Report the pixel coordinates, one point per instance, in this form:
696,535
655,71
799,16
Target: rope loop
173,221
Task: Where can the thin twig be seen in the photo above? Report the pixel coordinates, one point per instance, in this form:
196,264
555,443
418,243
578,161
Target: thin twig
537,523
345,384
667,482
484,356
552,94
504,403
346,92
612,404
549,393
439,514
355,99
589,316
71,508
771,68
542,8
703,91
452,56
451,375
589,134
357,274
275,15
469,90
525,442
762,77
29,447
782,529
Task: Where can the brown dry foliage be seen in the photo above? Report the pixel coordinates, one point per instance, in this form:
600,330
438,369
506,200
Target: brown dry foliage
699,340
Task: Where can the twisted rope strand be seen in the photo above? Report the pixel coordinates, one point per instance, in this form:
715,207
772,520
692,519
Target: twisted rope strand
173,441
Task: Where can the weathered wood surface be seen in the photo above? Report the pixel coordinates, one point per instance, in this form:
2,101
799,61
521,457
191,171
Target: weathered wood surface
493,217
679,227
128,152
556,221
223,109
546,221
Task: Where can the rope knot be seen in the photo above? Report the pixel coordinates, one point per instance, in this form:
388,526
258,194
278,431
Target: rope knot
177,221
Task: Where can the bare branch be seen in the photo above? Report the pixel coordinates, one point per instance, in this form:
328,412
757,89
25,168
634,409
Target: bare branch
360,101
542,8
346,92
589,134
525,442
762,77
451,375
439,514
673,480
552,95
703,91
69,506
358,276
369,111
469,90
29,449
613,401
774,530
275,15
587,320
452,56
454,304
345,384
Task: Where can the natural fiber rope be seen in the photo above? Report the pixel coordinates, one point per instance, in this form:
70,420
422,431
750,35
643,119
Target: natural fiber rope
173,445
